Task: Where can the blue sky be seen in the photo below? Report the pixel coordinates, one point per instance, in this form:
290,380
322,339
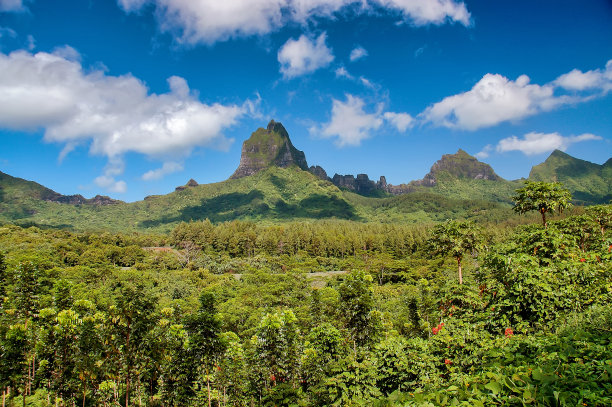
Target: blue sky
130,98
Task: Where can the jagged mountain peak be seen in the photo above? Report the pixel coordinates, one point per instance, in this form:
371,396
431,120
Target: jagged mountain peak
269,147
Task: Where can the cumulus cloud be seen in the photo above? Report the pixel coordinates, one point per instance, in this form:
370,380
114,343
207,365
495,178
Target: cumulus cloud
496,99
401,121
423,12
209,21
167,168
537,143
12,5
113,114
358,53
303,56
350,124
576,80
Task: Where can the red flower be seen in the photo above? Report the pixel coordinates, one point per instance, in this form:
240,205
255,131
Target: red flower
441,325
582,260
447,362
272,377
508,332
435,330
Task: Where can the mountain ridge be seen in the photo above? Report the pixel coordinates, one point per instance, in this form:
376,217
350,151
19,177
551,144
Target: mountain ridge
281,187
588,182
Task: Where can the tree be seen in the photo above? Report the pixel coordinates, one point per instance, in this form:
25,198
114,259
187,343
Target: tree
455,238
544,197
205,346
132,318
601,214
357,299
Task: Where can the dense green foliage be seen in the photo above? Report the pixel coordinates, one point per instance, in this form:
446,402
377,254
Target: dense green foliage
309,314
543,197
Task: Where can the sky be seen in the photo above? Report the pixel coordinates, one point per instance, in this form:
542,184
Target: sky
130,98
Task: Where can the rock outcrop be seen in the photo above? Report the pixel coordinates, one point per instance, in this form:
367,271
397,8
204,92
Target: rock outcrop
190,184
100,200
362,185
319,172
458,165
269,147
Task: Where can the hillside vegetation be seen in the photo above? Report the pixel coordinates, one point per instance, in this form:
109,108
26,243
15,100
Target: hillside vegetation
321,313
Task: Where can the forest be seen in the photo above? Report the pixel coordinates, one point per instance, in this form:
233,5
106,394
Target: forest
313,313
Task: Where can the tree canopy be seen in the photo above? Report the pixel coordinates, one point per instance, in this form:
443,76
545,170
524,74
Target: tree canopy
544,197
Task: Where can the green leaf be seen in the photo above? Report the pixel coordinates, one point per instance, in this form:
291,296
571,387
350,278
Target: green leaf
495,387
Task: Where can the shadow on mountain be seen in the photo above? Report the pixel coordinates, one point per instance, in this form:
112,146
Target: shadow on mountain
316,206
237,205
585,198
218,209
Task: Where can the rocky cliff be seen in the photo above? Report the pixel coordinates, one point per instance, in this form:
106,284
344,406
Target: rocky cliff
269,147
458,165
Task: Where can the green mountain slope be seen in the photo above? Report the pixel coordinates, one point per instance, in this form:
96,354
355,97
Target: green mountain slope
273,184
589,183
272,195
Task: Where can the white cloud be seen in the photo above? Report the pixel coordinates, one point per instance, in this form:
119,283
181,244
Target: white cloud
108,181
537,143
366,82
485,152
209,21
358,53
402,121
113,114
350,124
577,80
343,73
303,56
68,53
12,5
494,99
423,12
30,42
111,184
7,32
167,168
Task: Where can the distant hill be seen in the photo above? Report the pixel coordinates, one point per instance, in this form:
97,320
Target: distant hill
273,183
589,183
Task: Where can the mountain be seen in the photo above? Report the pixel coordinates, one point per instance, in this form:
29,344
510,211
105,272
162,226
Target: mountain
14,189
274,184
268,147
459,165
588,182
